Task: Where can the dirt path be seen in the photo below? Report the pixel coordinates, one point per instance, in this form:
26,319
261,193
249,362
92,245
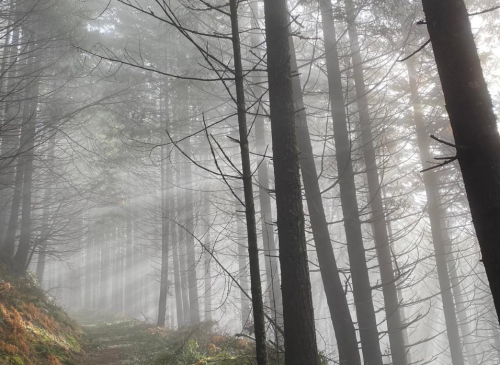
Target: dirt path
104,348
108,356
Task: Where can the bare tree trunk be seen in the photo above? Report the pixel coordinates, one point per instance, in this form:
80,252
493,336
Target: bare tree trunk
47,199
433,206
359,271
10,239
96,275
105,263
400,292
162,306
114,255
21,256
130,276
164,172
181,214
337,302
266,216
194,301
253,250
177,277
473,122
88,264
121,268
382,245
298,313
137,283
9,132
461,310
242,269
207,261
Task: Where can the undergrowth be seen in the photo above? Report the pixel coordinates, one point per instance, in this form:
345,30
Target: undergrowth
33,329
146,344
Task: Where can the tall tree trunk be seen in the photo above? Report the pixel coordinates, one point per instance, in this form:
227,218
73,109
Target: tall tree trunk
165,211
105,263
361,283
10,239
473,122
177,277
337,302
96,275
162,305
253,250
242,269
399,290
379,224
23,250
266,216
47,199
9,130
130,268
207,257
194,301
137,283
433,204
461,310
181,214
298,313
88,264
8,143
40,264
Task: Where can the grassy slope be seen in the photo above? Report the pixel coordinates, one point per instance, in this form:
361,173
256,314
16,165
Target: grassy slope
33,330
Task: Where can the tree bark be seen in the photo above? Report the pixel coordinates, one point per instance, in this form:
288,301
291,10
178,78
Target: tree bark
359,271
433,206
253,250
130,276
88,264
379,224
298,313
177,278
337,302
460,308
181,214
29,118
207,259
473,122
242,269
9,247
47,199
194,301
266,216
9,130
104,268
164,173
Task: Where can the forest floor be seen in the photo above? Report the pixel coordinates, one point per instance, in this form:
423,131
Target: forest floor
132,342
106,344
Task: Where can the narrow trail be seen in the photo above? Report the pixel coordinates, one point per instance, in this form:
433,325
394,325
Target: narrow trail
107,345
109,355
132,342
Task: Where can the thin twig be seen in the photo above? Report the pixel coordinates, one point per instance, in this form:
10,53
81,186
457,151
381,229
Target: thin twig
414,53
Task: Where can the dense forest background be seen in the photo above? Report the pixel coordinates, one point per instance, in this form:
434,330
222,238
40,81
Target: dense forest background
136,145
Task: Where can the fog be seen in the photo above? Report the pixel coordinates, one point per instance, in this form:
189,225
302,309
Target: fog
148,170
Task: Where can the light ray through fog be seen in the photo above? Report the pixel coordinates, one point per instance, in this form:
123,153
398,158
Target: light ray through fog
122,181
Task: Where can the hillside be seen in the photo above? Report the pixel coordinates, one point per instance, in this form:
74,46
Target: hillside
36,331
33,329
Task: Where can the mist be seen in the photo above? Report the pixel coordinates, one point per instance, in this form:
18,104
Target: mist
318,179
